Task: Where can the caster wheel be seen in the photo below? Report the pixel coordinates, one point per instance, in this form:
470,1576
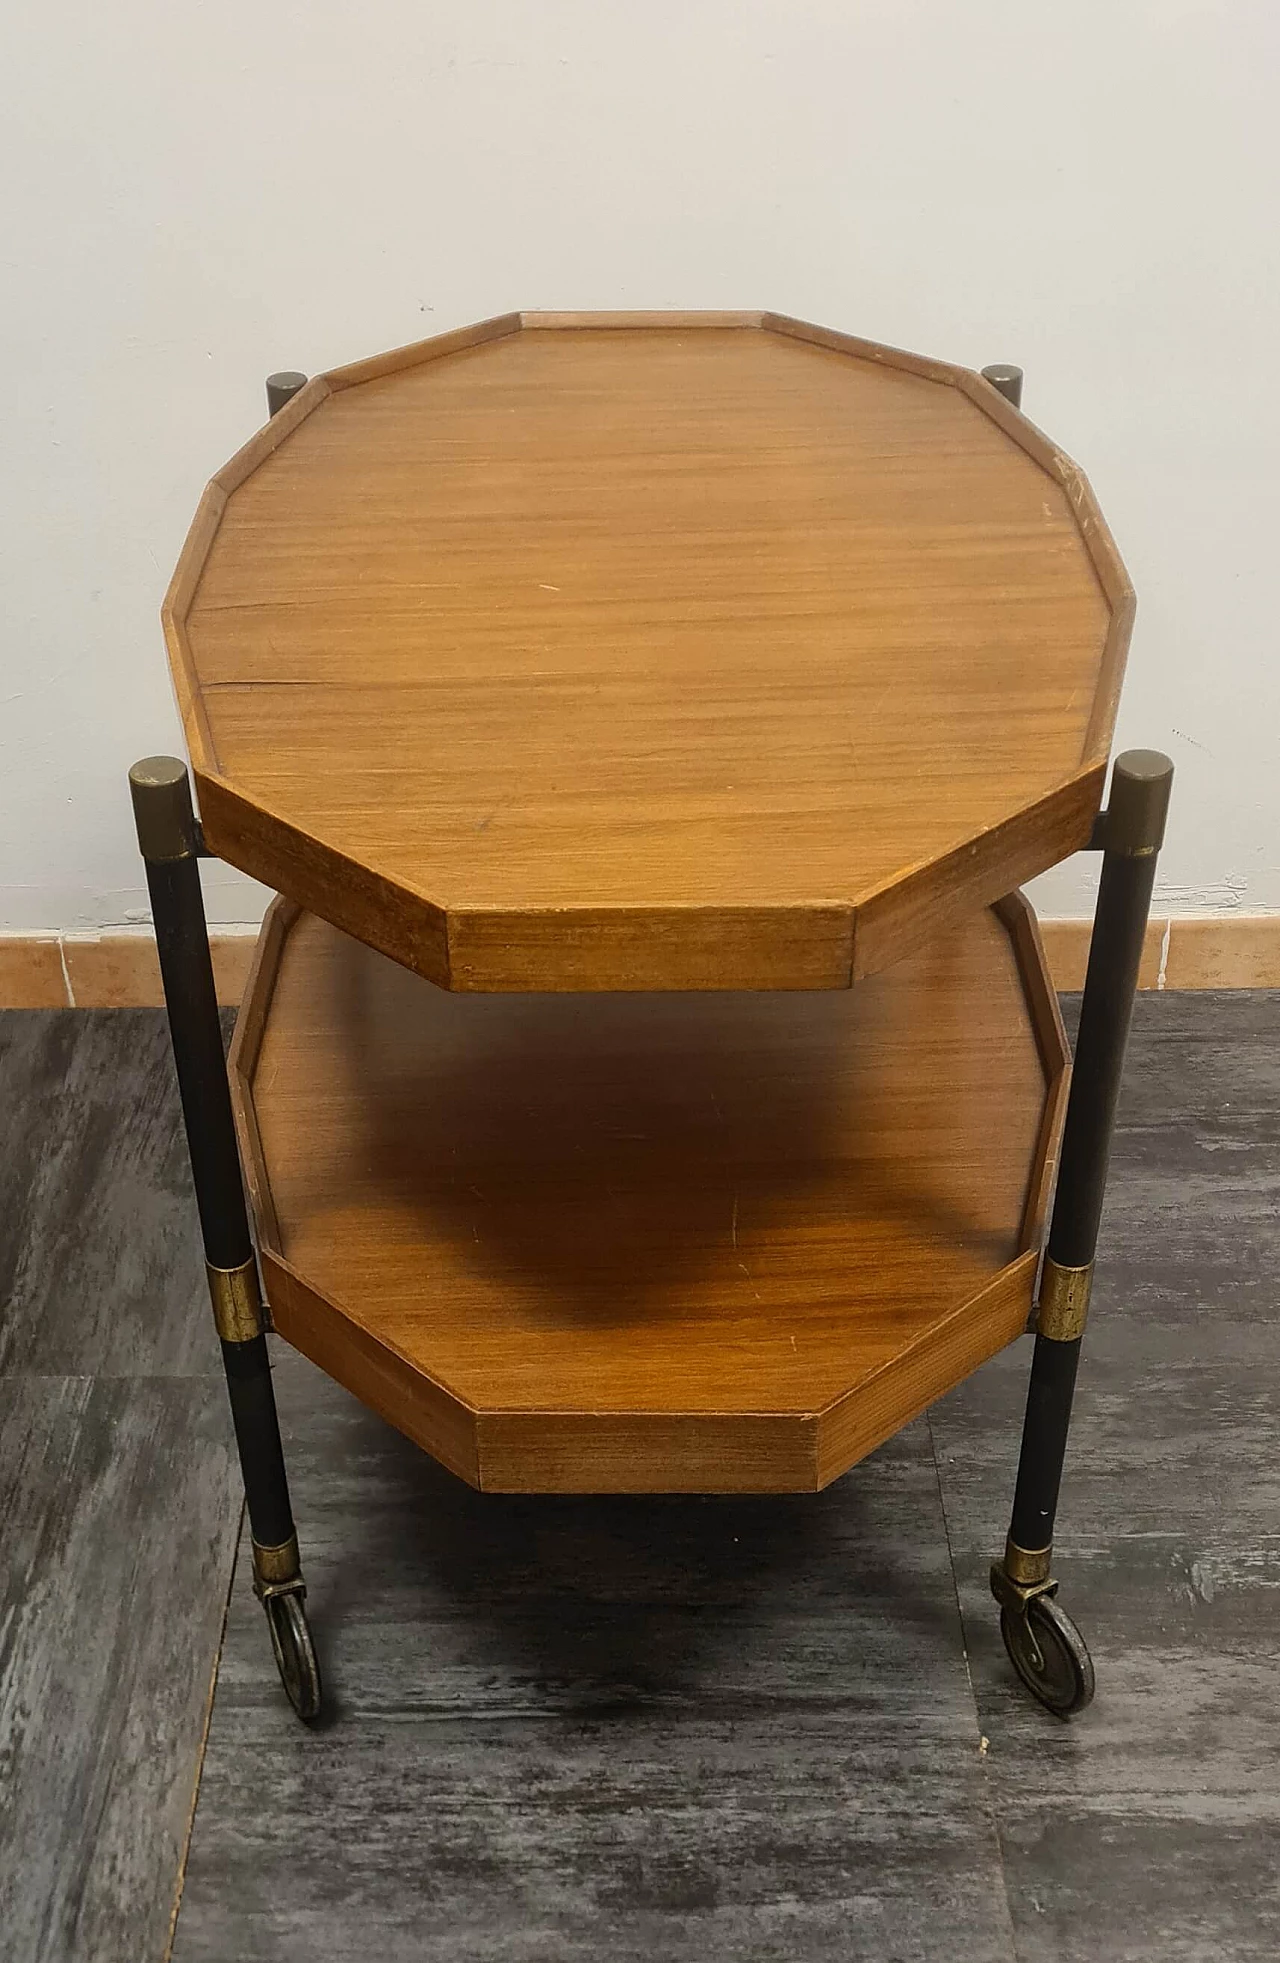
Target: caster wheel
295,1656
1048,1652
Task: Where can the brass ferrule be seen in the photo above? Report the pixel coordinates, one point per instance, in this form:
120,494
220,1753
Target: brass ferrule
1027,1567
1064,1301
276,1568
237,1301
1139,803
162,811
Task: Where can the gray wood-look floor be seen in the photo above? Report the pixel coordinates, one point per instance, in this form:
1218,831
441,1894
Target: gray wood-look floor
661,1729
119,1495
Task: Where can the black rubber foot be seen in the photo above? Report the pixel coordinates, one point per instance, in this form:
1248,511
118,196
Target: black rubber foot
295,1654
1049,1654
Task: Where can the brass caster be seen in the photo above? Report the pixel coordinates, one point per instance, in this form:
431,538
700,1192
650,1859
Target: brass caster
294,1652
1049,1654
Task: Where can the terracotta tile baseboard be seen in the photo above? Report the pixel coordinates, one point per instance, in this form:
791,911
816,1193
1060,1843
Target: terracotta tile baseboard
1066,946
1221,950
108,971
120,971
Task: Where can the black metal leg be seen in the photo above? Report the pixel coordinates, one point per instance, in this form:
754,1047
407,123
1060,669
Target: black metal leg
1006,380
282,388
169,840
1046,1648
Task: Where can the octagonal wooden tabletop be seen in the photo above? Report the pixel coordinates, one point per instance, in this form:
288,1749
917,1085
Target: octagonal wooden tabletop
650,1242
677,651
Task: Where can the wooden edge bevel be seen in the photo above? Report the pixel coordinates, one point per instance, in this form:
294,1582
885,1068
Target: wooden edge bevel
415,353
398,921
373,1370
242,1064
897,916
1109,568
1092,526
548,322
267,440
638,948
1112,575
1095,534
1100,727
822,946
555,1451
313,1322
963,1337
195,550
173,621
925,366
182,589
1017,916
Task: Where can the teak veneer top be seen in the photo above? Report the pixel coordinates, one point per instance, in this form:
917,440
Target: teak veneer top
595,652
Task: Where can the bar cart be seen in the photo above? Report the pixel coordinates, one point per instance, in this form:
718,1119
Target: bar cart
649,1079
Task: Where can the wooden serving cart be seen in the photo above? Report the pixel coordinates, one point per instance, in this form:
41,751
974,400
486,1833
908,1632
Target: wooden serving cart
649,1079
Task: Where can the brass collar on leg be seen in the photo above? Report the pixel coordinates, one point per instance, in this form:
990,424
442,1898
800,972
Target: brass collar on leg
277,1570
237,1301
1022,1575
1064,1301
1027,1567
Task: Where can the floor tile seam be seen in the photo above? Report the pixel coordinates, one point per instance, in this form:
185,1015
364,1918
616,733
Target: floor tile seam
203,1746
10,1374
993,1819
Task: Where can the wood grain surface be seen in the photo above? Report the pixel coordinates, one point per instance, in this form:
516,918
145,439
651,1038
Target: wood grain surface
604,653
648,1241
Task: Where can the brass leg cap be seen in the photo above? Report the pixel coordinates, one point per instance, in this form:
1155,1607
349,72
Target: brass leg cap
277,1570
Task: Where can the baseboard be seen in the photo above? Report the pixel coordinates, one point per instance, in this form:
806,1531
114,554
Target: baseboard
108,971
1222,950
120,970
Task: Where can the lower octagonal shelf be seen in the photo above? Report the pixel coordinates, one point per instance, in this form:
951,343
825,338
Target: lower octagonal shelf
651,1242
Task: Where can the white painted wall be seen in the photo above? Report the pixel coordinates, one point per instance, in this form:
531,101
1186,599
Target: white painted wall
197,193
